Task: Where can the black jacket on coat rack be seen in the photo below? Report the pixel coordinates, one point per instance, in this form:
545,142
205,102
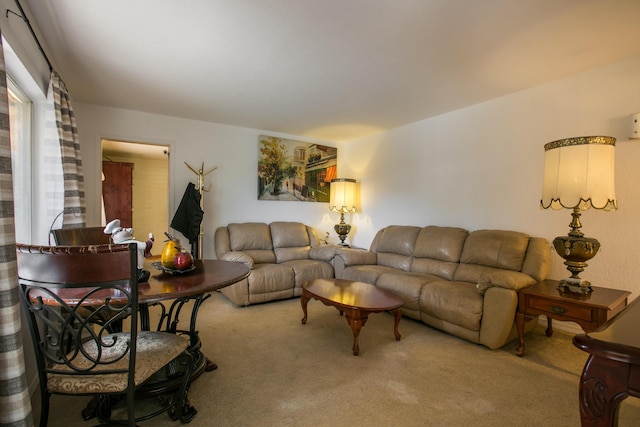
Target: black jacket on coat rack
188,216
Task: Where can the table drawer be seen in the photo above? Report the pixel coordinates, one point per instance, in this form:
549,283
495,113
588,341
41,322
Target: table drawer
561,309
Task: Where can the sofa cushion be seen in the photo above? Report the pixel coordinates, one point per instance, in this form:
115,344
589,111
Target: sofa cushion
395,246
289,254
266,278
253,239
407,286
442,269
289,234
495,248
441,243
308,269
290,241
366,273
458,303
391,260
537,263
250,236
398,239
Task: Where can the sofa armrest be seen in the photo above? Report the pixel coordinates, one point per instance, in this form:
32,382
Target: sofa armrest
498,316
351,256
324,253
238,256
504,279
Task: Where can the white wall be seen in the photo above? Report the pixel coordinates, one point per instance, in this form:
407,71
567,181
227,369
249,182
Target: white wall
233,196
481,167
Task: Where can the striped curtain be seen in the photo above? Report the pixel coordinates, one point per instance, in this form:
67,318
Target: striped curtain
74,204
15,404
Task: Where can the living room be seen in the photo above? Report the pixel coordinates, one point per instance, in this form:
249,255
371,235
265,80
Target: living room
476,166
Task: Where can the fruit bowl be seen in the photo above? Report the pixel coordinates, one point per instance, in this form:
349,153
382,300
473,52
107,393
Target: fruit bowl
159,266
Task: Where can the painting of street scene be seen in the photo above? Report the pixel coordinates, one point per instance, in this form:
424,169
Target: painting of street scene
294,170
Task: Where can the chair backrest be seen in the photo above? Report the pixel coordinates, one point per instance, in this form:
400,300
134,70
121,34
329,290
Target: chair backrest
74,297
80,236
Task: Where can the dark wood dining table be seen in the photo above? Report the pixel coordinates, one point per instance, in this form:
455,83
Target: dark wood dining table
179,289
612,371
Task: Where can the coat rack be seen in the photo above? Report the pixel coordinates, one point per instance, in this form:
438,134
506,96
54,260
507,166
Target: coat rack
200,173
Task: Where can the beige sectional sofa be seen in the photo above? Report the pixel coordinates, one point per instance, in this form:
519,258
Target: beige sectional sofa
464,283
281,255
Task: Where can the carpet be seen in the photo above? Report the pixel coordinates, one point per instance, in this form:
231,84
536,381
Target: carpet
274,371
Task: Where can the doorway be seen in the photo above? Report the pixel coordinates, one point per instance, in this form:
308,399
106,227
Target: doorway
136,186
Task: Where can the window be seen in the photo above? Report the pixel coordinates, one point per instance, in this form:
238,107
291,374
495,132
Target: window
20,114
27,111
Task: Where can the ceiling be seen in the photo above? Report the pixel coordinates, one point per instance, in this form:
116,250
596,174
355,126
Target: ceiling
335,70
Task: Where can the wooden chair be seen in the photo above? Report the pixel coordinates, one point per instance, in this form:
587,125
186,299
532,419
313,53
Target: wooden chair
73,295
80,236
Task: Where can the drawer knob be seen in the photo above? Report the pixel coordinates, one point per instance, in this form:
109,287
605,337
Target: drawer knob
558,309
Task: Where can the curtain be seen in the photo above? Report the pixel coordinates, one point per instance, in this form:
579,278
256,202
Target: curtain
15,404
74,205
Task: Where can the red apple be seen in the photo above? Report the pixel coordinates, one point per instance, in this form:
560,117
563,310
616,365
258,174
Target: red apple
183,261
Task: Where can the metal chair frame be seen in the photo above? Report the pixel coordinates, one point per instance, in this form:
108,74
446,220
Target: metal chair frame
75,338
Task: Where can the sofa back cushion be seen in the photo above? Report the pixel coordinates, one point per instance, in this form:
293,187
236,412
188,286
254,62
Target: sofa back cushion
290,241
486,250
395,246
254,239
437,250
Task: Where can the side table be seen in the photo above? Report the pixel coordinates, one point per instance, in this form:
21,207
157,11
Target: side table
588,311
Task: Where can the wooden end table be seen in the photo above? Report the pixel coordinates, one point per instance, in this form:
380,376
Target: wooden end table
355,299
588,311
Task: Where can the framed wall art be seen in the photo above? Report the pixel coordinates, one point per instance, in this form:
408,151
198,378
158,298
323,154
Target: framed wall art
290,170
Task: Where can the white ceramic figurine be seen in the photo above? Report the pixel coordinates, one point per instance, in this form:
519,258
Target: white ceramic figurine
125,235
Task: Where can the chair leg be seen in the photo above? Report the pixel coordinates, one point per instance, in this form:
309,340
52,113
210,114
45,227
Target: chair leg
131,413
102,407
44,406
185,412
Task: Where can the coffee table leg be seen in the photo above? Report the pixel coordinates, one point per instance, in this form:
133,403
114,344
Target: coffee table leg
304,299
398,315
356,321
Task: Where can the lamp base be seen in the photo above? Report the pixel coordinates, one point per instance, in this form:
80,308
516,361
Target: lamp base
576,250
581,287
342,229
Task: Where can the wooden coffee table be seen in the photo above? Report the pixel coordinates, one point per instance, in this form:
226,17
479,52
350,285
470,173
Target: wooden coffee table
355,299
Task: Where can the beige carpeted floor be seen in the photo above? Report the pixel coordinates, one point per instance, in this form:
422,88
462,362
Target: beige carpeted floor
274,371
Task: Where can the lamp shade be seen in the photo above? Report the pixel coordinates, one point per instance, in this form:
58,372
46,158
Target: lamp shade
579,173
343,195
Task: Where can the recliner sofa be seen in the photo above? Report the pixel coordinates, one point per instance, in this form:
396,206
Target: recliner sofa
464,283
281,255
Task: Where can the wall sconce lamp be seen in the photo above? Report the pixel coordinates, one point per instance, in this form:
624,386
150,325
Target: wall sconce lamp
578,175
342,199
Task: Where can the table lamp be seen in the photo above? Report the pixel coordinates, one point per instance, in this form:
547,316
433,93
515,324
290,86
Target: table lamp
578,175
342,199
